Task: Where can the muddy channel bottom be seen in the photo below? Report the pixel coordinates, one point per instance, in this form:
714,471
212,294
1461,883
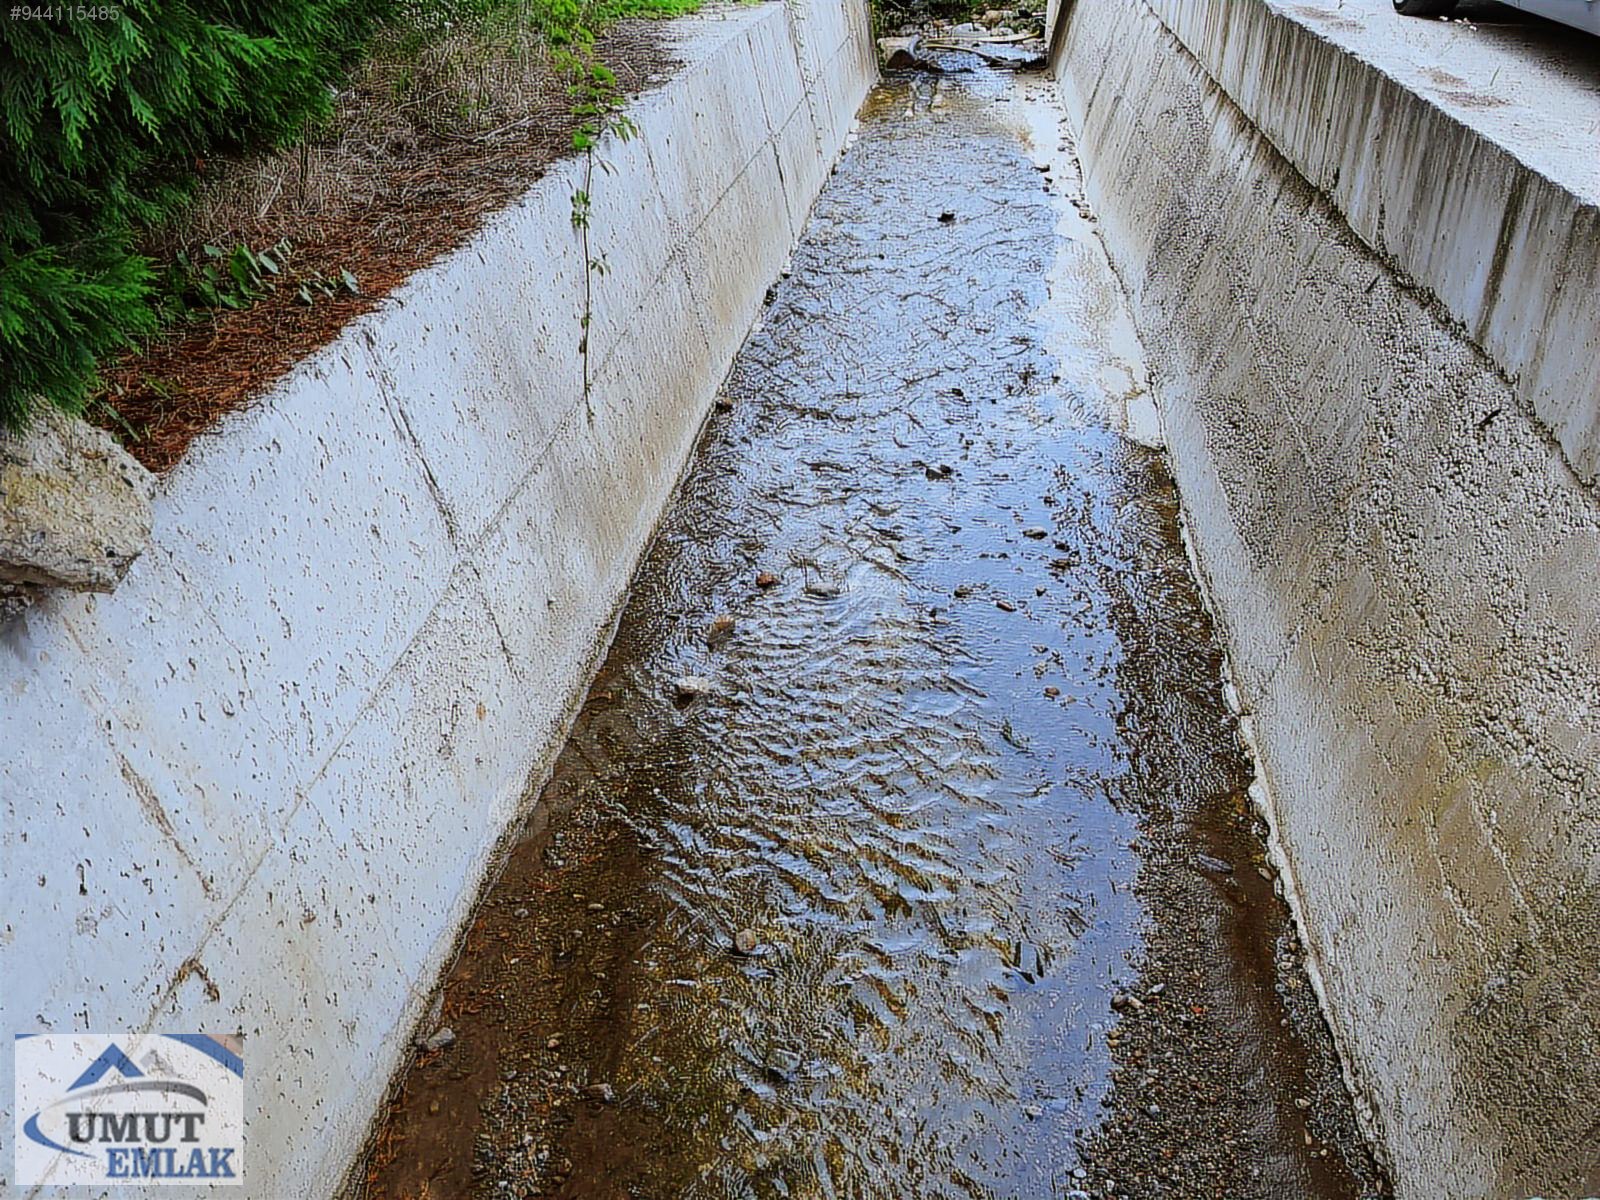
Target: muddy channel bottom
915,691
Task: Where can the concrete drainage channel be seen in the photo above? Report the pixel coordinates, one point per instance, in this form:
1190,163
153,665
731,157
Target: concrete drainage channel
908,841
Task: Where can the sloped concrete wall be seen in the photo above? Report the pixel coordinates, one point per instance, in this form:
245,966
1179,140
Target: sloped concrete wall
256,789
1401,557
1497,219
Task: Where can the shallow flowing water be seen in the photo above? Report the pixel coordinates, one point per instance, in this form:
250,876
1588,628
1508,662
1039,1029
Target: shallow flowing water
914,687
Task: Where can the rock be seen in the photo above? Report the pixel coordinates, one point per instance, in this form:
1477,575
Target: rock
1214,866
947,217
1032,1111
521,914
719,631
604,1093
821,589
1037,532
766,579
1005,606
745,941
1052,691
691,687
782,1067
440,1039
74,509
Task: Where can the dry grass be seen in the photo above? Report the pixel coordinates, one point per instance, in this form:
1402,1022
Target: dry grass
424,143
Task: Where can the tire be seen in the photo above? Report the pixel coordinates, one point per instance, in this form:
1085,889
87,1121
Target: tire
1425,8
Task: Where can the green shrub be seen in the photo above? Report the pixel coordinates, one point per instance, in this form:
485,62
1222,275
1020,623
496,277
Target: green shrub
104,121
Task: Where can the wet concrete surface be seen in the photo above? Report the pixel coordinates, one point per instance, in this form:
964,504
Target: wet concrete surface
915,689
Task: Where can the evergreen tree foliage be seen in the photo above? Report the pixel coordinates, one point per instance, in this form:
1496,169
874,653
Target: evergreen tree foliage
105,116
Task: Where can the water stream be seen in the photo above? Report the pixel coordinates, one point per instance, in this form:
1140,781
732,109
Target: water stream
915,701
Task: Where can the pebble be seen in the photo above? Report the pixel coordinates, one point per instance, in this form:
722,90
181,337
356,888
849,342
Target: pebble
691,687
821,589
1005,606
766,579
603,1092
719,631
745,941
1036,532
440,1039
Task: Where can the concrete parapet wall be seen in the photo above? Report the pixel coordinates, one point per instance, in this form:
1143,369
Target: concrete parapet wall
1503,229
256,789
1399,552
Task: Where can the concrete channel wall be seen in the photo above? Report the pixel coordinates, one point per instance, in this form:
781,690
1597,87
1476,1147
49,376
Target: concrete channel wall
1382,429
257,788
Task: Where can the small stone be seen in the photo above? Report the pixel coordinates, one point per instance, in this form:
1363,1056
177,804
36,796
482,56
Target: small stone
719,631
691,687
1052,691
440,1039
1032,1111
745,941
766,579
947,217
1036,532
1264,873
433,1108
1153,1110
821,589
521,914
1215,866
602,1092
553,1043
596,907
1005,606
